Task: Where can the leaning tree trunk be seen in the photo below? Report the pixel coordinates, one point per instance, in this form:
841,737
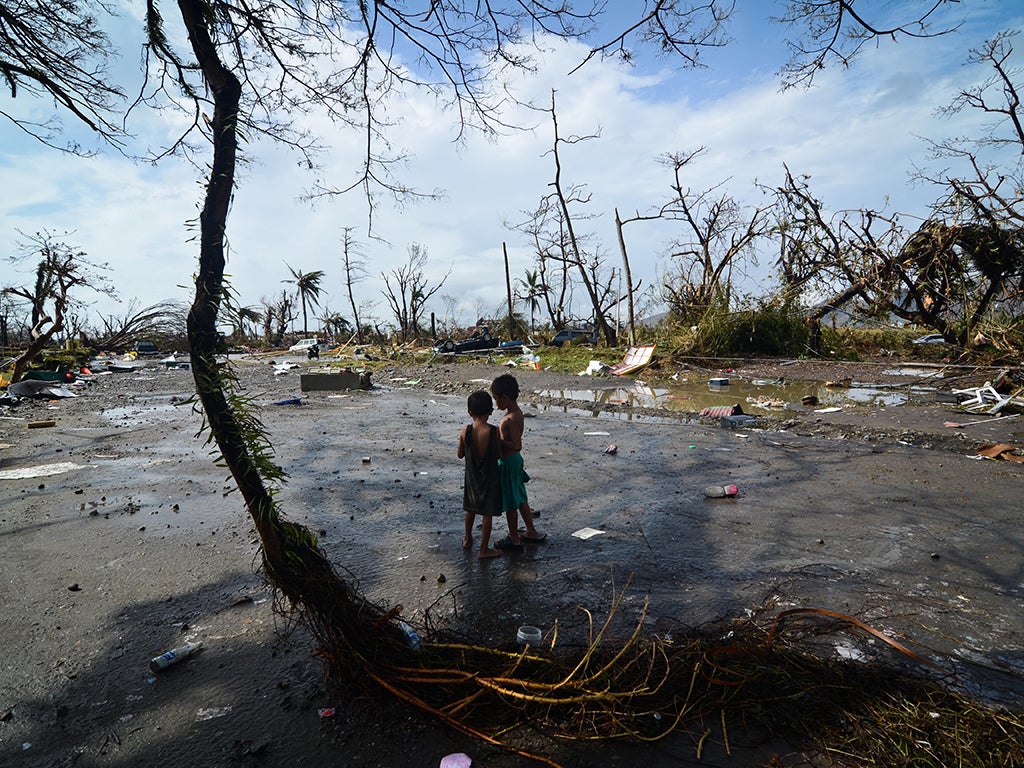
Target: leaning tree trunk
202,317
340,618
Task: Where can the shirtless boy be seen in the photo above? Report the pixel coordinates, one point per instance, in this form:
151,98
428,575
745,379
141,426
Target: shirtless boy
515,503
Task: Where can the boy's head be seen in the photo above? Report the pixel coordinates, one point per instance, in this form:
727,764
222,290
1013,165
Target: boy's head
506,385
480,404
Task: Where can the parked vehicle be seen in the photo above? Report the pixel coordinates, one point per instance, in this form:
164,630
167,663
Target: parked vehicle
145,349
573,336
931,338
481,339
303,346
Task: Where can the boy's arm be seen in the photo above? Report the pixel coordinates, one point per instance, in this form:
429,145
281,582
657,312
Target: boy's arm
462,443
511,434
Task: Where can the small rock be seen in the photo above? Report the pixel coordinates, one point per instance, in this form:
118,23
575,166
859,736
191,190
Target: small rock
74,587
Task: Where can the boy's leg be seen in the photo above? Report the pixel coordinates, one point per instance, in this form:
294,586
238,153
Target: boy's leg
512,518
485,540
527,514
467,539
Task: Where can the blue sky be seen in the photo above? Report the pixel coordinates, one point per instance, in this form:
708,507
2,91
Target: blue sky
856,132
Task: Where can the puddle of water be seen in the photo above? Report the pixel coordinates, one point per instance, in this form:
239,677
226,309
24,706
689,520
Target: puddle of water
920,373
694,396
147,414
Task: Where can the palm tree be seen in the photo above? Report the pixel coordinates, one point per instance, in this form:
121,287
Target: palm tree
246,321
532,287
309,289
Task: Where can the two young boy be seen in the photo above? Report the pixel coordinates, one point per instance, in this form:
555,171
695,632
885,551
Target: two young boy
495,476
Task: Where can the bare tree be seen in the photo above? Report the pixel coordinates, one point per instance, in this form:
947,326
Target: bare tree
407,290
545,228
841,259
61,269
58,52
278,313
353,268
553,226
957,265
835,30
719,238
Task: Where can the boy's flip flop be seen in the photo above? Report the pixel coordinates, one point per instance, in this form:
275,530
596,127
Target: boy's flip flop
532,539
507,543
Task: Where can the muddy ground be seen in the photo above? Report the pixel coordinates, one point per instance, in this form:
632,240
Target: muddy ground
135,544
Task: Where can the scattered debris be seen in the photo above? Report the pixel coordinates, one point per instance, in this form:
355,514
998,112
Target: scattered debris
738,420
39,389
986,399
456,760
721,411
1000,451
635,359
957,424
720,491
175,655
595,367
40,470
586,533
41,424
528,635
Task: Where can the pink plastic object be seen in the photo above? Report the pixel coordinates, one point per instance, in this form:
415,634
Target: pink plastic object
456,760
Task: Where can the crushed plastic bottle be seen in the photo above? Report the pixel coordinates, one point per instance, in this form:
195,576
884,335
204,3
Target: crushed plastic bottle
412,636
720,491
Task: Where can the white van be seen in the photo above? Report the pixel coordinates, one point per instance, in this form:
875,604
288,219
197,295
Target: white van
304,345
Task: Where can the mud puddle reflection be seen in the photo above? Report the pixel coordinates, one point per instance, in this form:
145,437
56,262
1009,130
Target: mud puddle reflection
693,396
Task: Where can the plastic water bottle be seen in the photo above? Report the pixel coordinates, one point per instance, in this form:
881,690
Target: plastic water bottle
412,636
173,656
720,491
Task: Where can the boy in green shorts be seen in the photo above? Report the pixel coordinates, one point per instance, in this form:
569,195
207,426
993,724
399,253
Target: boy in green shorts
514,501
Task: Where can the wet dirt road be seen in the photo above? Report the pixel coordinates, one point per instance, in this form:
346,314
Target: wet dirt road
924,544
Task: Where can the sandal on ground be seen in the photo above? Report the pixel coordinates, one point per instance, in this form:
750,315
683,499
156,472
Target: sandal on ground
507,543
533,539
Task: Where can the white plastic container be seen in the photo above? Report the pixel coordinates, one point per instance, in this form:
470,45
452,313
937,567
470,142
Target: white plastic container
528,635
